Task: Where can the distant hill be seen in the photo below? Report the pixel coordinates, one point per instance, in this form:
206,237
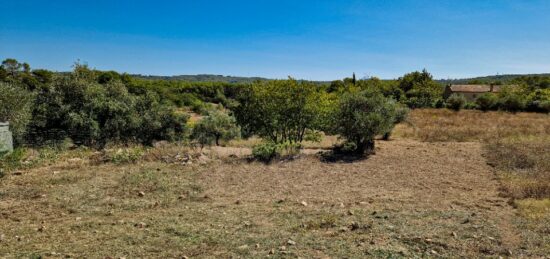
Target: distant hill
241,79
488,79
204,78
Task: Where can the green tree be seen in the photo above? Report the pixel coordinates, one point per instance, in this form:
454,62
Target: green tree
420,89
15,108
363,115
280,110
216,126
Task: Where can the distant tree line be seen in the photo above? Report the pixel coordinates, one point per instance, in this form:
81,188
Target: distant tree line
94,108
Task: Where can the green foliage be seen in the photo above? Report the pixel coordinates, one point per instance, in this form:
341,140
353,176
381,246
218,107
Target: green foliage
512,99
124,155
486,101
265,152
13,160
470,106
363,115
268,151
281,110
88,106
420,89
15,108
538,100
216,126
456,102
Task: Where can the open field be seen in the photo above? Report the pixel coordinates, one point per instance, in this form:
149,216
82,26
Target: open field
418,196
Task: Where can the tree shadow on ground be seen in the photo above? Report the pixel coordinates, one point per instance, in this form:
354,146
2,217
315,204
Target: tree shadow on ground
336,156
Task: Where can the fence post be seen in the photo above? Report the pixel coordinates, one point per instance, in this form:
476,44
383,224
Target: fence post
6,139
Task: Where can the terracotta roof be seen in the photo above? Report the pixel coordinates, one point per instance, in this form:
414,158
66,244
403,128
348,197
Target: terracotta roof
474,88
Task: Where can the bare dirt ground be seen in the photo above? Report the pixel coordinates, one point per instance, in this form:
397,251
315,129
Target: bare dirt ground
411,199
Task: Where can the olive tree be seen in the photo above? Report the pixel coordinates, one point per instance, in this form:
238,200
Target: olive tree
216,126
361,116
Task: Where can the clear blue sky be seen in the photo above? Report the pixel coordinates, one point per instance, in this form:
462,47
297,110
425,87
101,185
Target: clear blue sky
309,39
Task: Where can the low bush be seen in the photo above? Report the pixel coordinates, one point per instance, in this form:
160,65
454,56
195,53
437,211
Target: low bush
268,151
12,161
124,155
265,152
486,101
456,102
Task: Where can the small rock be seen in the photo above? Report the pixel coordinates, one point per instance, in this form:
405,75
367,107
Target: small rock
78,218
257,246
243,247
350,212
281,201
182,197
454,234
2,237
291,242
140,225
141,194
433,252
272,251
41,228
342,205
184,257
303,203
343,229
282,248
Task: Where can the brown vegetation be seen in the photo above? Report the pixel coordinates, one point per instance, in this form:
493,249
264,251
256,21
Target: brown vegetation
436,125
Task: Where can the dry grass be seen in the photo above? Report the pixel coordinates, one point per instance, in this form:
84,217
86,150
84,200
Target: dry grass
440,125
437,198
435,205
516,145
524,164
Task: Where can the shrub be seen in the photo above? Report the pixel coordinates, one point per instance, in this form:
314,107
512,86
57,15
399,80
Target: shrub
216,126
511,99
486,101
363,115
15,108
265,152
456,102
13,160
470,106
544,106
401,113
123,155
93,114
268,151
